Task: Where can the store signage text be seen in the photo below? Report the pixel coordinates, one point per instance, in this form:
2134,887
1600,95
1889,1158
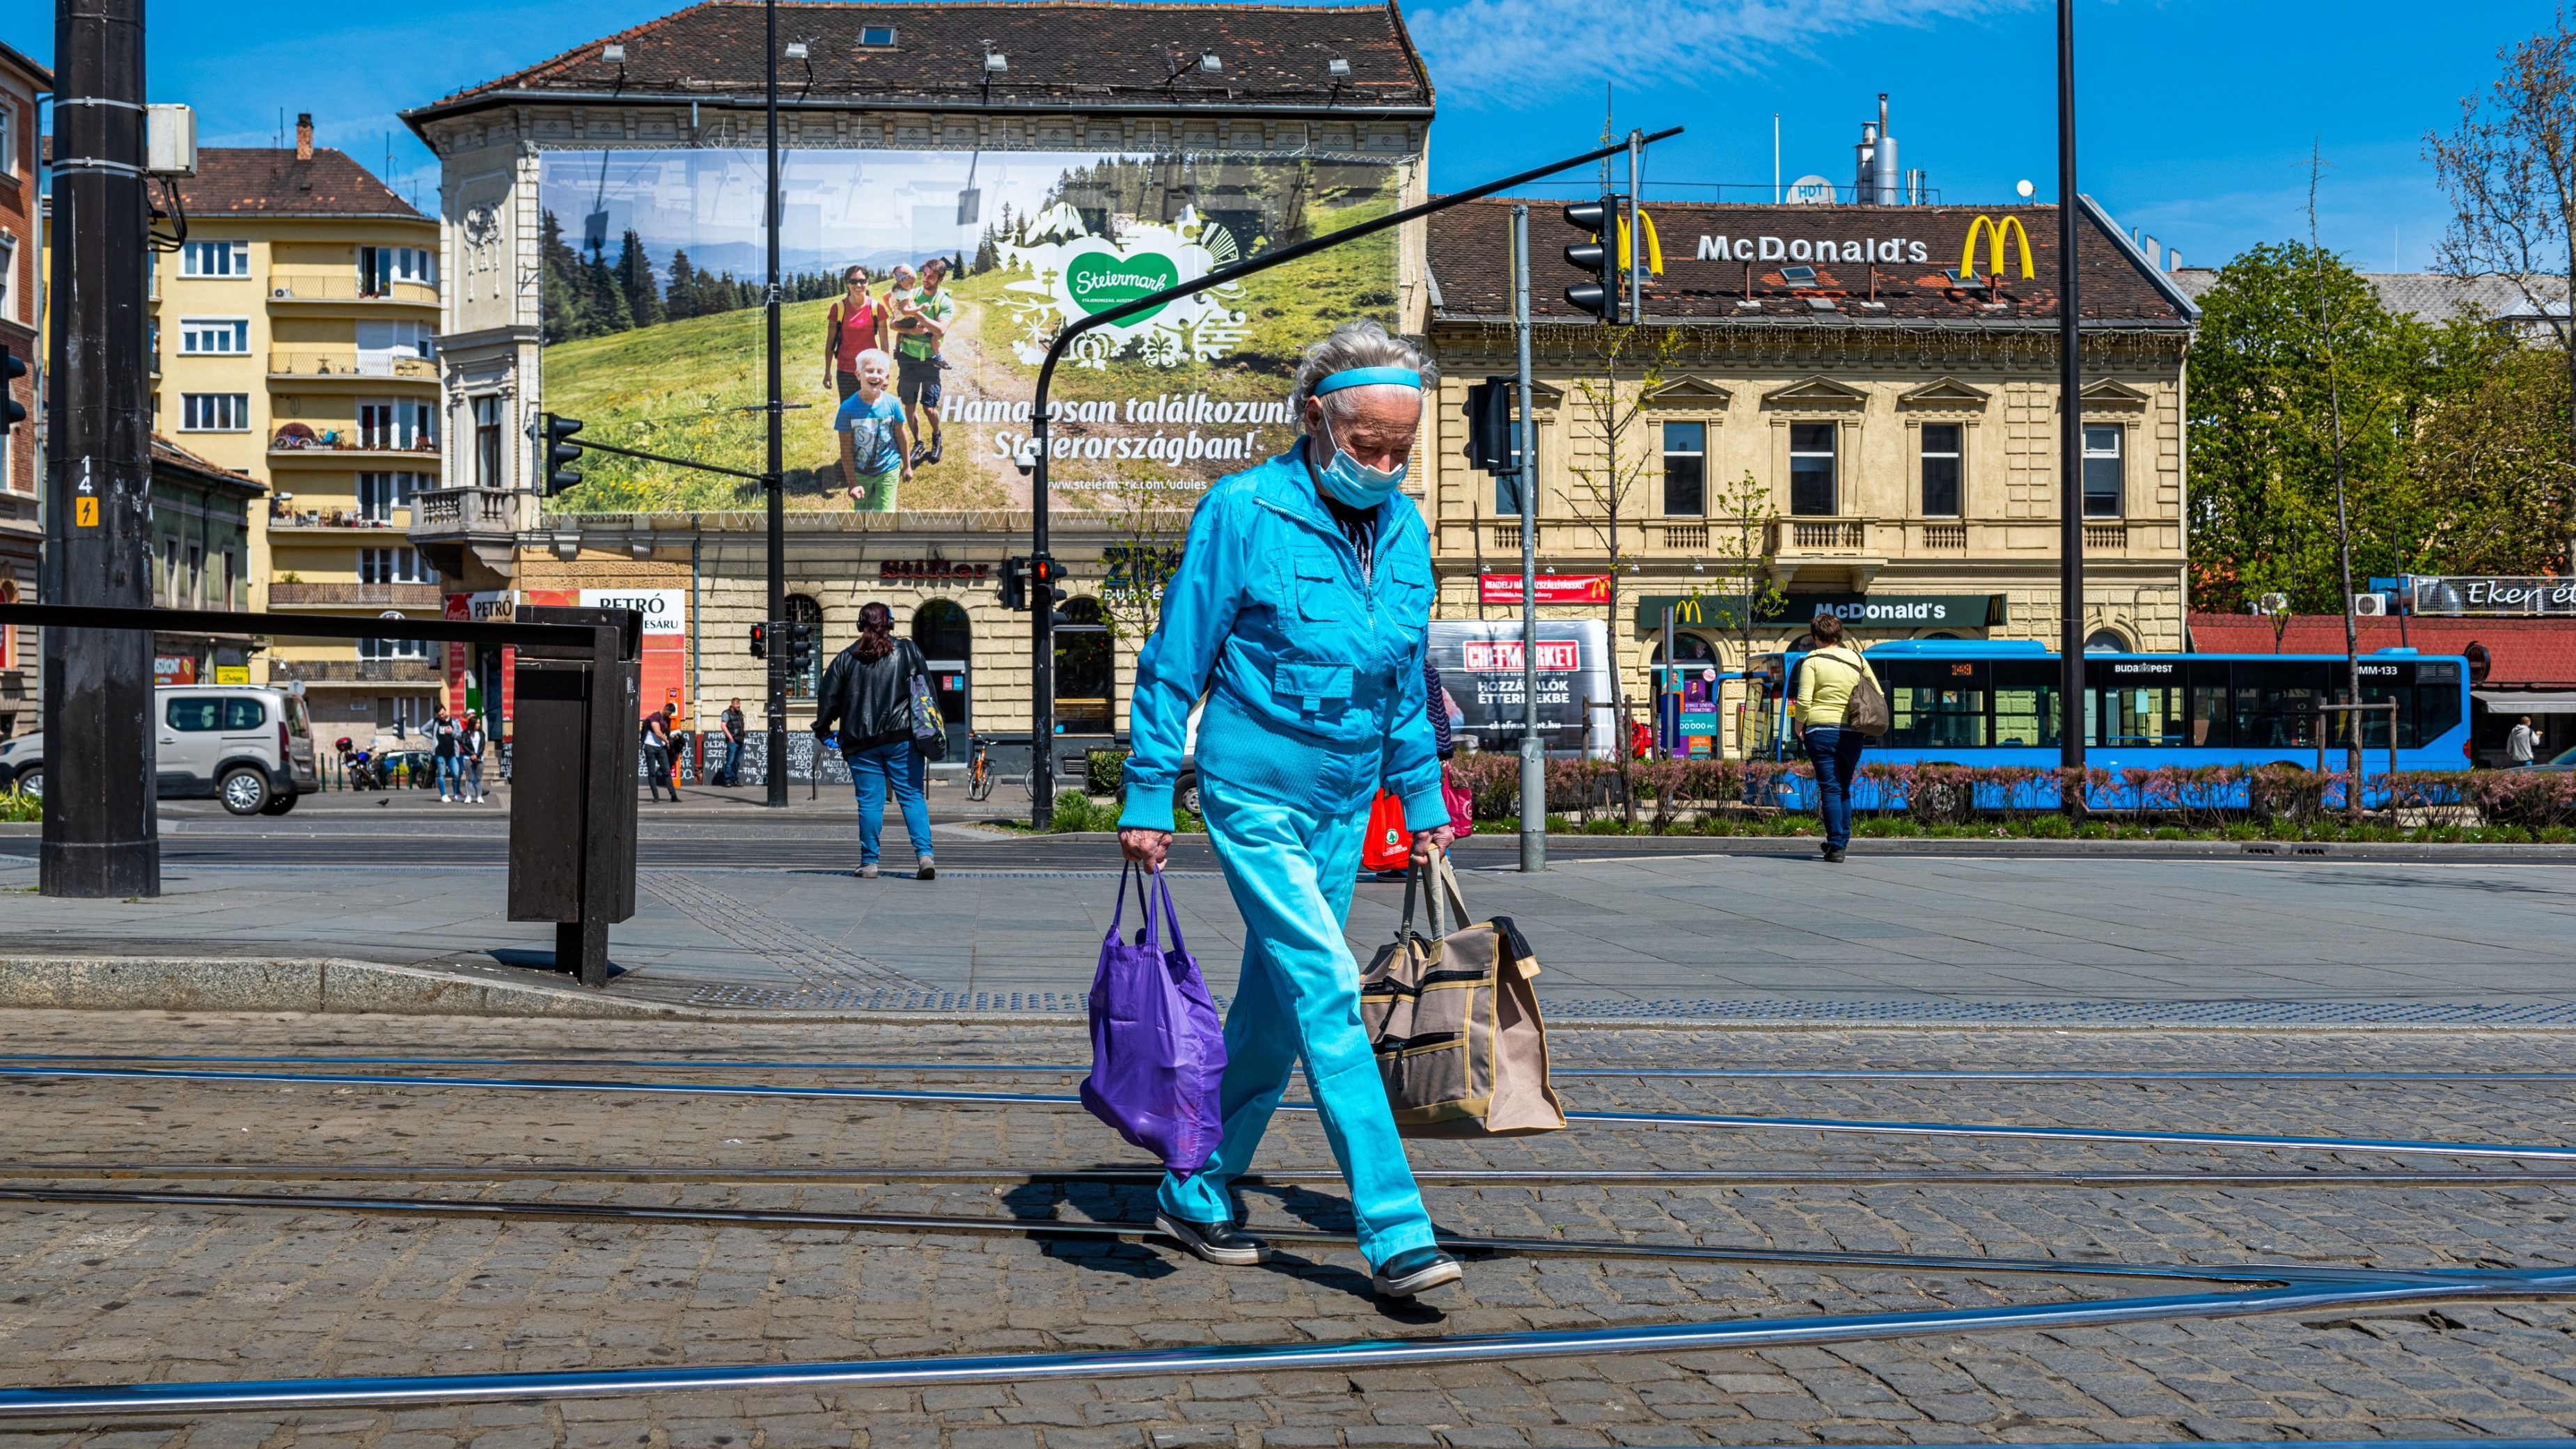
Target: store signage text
1893,250
1882,611
665,611
924,569
1555,656
1552,588
2484,594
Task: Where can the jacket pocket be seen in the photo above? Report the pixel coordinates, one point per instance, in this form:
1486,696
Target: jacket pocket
1323,595
1310,688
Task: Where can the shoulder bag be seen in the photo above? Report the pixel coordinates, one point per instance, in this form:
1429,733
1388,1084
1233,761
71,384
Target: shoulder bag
1866,714
1454,1022
929,727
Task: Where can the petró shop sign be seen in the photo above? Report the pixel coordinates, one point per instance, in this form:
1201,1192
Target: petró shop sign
1860,611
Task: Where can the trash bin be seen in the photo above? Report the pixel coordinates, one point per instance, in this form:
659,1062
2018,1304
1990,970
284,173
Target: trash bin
572,782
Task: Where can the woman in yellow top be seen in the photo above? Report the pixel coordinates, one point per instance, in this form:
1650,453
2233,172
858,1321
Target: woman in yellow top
1826,680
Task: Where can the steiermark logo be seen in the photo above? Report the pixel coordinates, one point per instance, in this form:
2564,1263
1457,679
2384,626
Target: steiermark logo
1098,281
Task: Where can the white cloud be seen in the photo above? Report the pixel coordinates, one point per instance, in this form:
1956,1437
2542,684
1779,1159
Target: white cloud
1495,48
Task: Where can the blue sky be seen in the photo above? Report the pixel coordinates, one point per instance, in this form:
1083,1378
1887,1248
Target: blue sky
2195,116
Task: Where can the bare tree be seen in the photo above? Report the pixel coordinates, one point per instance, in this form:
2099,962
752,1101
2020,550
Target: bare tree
2510,170
1746,517
1610,462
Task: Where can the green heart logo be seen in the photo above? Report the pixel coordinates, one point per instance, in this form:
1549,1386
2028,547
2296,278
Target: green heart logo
1099,281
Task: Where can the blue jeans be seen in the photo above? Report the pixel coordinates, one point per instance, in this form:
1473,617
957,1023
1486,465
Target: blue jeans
1836,754
449,782
733,762
872,771
1291,868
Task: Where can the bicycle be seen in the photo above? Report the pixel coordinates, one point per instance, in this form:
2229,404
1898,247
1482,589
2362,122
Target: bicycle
979,770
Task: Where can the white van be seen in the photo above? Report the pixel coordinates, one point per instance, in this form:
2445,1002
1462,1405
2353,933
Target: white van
248,746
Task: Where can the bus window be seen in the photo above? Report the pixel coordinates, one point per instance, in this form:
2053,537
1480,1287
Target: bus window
2437,707
2025,692
2276,703
1934,703
2212,720
2135,716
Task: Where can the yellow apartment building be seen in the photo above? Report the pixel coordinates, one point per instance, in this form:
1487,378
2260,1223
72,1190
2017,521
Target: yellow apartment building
294,343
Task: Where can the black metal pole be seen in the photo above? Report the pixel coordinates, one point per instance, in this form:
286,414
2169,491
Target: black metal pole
776,483
102,819
1042,626
2070,413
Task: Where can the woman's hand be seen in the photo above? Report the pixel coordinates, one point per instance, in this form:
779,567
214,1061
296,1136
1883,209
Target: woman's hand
1149,848
1439,837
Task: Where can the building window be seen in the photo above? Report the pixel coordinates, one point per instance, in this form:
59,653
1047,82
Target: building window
876,37
169,571
8,141
228,601
214,336
393,649
1941,469
2104,475
1811,469
402,426
487,443
1685,470
215,259
394,566
379,494
380,267
1086,670
8,276
214,412
196,576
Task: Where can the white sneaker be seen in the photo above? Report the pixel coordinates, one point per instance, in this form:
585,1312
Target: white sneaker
867,872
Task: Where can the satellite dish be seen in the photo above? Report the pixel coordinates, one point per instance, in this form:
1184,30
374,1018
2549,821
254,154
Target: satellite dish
1812,189
2023,189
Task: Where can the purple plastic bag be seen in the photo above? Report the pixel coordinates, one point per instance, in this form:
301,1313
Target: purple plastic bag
1157,1049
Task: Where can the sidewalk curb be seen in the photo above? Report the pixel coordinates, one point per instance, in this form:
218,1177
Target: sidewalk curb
327,985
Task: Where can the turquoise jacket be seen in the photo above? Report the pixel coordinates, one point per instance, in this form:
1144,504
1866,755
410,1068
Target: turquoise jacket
1312,675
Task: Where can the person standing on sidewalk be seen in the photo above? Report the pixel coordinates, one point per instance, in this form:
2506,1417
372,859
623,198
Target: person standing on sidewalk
1300,612
733,736
1825,684
443,752
2519,745
868,690
469,748
657,754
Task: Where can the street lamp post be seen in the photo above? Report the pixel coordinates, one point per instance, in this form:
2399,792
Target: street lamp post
2070,427
774,483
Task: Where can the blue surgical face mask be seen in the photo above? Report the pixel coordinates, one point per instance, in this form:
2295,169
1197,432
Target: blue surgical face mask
1353,483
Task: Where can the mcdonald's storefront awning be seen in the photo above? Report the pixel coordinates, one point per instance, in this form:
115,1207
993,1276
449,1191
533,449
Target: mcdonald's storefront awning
1859,611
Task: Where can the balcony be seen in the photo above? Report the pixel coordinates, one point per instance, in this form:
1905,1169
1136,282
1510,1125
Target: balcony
2106,538
1826,552
380,596
345,367
329,520
348,290
299,445
354,671
1945,538
447,522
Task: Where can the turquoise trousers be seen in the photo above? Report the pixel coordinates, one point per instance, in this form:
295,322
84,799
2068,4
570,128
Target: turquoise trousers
1291,868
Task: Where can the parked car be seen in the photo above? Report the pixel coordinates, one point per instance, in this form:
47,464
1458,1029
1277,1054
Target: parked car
247,746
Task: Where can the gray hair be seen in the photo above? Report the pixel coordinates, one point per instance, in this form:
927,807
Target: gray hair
1363,343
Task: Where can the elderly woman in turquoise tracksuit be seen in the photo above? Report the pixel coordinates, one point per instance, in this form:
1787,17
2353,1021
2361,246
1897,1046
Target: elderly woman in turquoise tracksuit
1298,613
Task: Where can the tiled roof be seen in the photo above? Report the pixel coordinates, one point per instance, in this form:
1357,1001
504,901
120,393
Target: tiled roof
2527,653
2430,296
270,181
167,454
1470,247
1112,55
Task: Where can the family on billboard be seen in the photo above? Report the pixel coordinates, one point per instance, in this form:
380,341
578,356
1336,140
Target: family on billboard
932,283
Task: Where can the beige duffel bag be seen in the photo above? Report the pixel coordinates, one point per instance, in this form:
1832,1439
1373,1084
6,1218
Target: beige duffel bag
1455,1024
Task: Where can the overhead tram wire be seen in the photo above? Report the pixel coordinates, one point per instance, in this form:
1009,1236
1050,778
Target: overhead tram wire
902,1095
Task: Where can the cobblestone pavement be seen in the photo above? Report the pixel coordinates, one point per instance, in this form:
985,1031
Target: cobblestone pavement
93,1293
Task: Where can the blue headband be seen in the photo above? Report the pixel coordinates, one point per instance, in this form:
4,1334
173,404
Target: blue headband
1365,377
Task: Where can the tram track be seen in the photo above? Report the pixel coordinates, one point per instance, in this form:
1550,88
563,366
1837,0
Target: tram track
1829,1126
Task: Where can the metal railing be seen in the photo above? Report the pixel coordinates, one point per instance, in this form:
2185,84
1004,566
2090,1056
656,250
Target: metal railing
348,289
409,596
342,364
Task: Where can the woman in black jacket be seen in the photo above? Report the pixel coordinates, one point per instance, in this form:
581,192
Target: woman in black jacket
869,690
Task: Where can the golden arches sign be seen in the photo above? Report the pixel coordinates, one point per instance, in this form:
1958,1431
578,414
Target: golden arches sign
1996,232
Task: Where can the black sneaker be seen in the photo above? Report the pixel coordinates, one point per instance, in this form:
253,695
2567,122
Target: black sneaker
1414,1270
936,444
944,363
1220,1243
920,452
1833,855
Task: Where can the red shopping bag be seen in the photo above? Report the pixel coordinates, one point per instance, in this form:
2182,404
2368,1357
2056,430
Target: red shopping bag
1390,845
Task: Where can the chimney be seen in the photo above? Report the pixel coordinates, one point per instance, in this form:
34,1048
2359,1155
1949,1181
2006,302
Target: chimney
304,136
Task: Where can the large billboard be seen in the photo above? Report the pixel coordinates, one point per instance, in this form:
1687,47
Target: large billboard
653,270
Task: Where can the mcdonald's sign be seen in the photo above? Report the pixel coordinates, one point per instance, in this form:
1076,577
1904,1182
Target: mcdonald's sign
1996,232
1654,244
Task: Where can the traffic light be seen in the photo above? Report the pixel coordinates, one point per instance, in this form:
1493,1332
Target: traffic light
1491,446
1044,575
801,643
561,453
1603,296
760,641
12,411
1015,583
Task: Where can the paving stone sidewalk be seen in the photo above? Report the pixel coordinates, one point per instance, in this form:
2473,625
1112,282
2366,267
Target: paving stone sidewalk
96,1293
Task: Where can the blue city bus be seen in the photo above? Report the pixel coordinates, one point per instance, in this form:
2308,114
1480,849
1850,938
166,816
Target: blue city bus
1995,702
